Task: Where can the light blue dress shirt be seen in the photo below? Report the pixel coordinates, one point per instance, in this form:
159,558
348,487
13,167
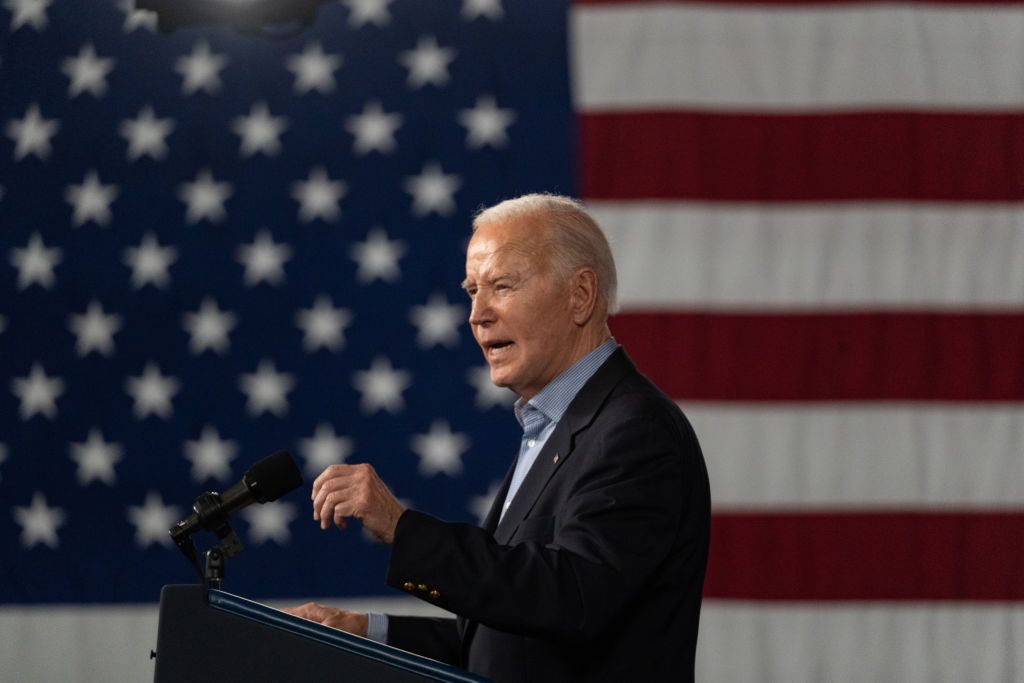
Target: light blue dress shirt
538,417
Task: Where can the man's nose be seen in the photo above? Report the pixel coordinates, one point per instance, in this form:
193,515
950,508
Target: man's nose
481,312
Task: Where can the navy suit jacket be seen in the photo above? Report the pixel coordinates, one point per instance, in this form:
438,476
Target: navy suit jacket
596,570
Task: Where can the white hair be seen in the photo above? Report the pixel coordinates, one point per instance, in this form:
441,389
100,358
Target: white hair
575,240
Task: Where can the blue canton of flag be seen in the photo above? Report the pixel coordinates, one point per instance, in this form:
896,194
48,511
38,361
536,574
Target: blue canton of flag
214,245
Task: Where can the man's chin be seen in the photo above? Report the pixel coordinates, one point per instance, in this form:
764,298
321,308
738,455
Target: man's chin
500,378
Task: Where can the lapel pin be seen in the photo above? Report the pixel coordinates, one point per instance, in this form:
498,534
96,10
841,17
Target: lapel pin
555,459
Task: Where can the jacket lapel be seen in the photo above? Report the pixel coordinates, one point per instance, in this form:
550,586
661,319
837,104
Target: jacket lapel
536,479
560,444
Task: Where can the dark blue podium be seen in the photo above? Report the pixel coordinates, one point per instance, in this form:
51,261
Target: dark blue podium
209,635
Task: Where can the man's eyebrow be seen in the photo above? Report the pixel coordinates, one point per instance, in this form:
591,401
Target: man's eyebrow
490,280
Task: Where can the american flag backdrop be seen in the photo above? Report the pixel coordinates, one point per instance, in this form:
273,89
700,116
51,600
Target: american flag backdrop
215,244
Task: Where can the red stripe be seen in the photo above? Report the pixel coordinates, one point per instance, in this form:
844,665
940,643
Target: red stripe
829,356
793,157
867,556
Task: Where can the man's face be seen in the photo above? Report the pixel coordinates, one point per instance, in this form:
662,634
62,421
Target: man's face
521,314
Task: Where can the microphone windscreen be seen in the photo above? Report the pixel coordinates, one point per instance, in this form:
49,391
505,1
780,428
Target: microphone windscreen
273,476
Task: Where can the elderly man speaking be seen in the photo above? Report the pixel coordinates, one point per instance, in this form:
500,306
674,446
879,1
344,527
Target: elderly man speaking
591,562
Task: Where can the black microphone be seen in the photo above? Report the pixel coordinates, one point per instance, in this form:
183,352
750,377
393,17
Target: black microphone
267,480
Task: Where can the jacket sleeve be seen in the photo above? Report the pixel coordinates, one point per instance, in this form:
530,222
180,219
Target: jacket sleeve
617,522
427,636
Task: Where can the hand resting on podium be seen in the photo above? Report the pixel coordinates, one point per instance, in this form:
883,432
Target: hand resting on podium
350,622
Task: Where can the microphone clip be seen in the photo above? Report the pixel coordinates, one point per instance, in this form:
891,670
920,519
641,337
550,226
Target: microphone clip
209,514
210,511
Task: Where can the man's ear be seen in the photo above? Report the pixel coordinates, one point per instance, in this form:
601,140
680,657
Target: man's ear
583,295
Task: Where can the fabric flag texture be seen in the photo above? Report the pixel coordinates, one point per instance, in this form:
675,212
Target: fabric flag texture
215,244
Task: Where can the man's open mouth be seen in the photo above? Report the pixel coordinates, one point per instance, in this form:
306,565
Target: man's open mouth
498,347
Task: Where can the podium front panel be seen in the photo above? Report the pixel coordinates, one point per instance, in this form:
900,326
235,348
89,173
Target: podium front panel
215,636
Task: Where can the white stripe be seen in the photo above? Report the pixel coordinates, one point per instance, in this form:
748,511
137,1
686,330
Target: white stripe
863,456
88,644
862,642
741,642
835,57
676,254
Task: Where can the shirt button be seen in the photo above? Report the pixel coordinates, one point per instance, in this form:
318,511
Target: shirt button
531,443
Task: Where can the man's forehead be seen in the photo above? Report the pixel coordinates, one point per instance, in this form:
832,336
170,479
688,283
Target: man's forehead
512,260
490,248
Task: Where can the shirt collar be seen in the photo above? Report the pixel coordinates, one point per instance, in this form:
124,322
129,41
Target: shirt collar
554,399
